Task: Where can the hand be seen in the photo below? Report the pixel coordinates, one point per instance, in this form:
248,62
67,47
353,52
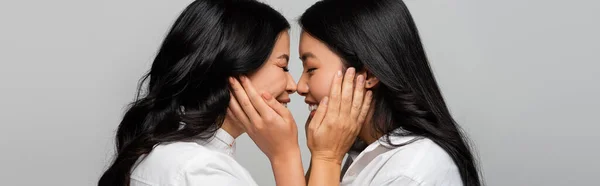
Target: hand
339,118
269,124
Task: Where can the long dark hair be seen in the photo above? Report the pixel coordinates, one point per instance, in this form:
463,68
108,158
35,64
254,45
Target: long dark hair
209,42
381,36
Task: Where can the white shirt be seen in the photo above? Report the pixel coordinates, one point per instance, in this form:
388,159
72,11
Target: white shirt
202,162
420,163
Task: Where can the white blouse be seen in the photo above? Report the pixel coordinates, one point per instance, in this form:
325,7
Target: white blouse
203,162
420,163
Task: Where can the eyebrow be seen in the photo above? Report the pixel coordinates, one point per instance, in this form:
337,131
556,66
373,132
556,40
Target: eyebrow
306,56
284,56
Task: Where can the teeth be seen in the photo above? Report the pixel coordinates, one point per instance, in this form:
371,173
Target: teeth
312,107
284,104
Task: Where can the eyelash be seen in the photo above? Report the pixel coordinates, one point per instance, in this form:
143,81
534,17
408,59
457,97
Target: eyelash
285,69
310,70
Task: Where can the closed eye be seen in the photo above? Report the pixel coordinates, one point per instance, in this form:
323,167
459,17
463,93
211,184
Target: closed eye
310,70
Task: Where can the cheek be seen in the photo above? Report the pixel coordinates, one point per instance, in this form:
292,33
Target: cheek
272,82
319,86
277,85
320,82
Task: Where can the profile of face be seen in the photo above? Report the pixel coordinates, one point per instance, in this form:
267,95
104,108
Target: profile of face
320,65
273,76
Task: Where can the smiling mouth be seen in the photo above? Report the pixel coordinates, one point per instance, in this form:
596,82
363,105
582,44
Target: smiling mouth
312,107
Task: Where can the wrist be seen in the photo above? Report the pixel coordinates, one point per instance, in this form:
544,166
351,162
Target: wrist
327,157
287,156
323,159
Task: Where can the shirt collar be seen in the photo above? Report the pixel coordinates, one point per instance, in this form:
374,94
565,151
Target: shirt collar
222,142
358,160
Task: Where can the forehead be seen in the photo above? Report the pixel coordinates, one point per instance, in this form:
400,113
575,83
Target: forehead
307,42
311,47
283,42
281,50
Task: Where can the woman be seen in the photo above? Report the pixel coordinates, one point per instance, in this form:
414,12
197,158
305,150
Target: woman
411,136
179,132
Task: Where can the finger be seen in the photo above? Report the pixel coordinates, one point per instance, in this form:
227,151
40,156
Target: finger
238,113
333,105
357,101
319,115
365,108
230,113
245,103
257,101
278,107
347,91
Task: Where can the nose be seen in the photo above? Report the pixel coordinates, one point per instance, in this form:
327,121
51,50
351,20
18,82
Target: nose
291,85
302,86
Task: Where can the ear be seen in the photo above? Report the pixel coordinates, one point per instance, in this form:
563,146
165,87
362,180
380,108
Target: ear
370,80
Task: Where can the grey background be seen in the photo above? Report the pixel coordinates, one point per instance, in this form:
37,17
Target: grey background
519,76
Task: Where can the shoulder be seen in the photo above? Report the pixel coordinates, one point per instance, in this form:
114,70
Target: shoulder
421,161
185,162
172,157
166,162
422,152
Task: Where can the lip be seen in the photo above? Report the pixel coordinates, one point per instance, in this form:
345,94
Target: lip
284,100
310,102
311,114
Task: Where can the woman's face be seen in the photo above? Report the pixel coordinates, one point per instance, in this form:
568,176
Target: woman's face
320,66
273,76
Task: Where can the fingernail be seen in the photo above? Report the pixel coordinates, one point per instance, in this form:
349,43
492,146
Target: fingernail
243,78
350,70
361,79
267,96
369,93
231,80
339,73
324,101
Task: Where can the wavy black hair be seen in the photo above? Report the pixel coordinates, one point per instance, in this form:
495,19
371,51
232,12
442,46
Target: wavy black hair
209,42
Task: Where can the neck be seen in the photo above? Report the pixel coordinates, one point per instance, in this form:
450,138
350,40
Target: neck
367,133
232,127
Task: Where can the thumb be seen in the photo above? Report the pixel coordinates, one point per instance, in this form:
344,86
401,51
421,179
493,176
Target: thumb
275,105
